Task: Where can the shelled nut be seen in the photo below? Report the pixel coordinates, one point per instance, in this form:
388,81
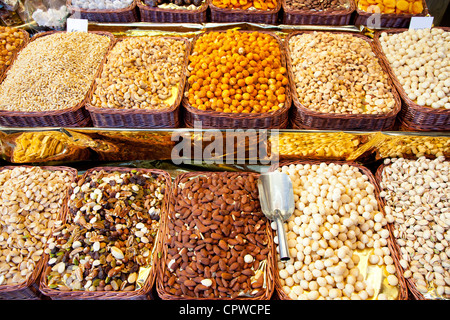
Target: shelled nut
31,200
418,204
110,233
339,73
217,238
141,73
336,216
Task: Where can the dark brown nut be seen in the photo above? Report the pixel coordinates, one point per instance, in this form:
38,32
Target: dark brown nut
222,230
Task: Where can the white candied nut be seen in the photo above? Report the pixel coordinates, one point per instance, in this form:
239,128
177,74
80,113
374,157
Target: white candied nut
323,237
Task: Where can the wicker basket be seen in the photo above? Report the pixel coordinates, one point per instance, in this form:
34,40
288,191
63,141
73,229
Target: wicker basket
303,117
142,293
239,15
412,116
128,14
29,289
25,41
141,118
160,284
155,14
338,17
223,120
71,117
403,290
389,20
416,294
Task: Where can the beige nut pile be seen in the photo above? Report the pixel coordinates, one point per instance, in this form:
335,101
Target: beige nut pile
30,203
339,73
336,214
417,194
53,72
141,73
420,61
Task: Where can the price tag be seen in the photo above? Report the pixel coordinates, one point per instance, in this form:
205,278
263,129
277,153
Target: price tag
77,25
421,23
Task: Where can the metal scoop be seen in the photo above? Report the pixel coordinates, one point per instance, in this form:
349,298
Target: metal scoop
276,196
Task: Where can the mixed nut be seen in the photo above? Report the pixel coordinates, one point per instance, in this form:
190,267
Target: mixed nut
31,201
318,5
339,73
141,73
10,40
418,205
110,232
218,240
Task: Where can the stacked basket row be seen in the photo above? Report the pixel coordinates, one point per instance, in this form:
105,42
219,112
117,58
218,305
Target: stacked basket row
208,12
178,229
181,114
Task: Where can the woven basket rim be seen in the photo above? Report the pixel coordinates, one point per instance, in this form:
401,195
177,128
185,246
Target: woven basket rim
144,6
244,116
391,114
73,9
240,11
33,114
392,245
401,91
162,268
173,107
78,294
352,7
35,276
395,15
411,285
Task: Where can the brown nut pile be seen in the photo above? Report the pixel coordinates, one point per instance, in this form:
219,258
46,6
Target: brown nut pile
317,5
53,72
339,73
218,238
141,73
30,203
110,234
10,41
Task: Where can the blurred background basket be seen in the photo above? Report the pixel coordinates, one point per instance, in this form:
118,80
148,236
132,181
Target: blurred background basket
161,285
413,117
304,118
70,117
388,20
239,15
26,39
336,17
402,286
141,118
223,120
127,14
144,292
155,14
29,289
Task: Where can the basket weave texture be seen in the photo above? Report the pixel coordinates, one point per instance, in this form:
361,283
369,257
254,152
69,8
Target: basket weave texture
141,118
222,120
412,116
128,14
403,289
29,289
161,286
143,293
330,17
155,14
71,117
304,118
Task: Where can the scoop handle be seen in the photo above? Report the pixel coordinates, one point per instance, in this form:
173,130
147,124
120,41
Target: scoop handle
282,241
